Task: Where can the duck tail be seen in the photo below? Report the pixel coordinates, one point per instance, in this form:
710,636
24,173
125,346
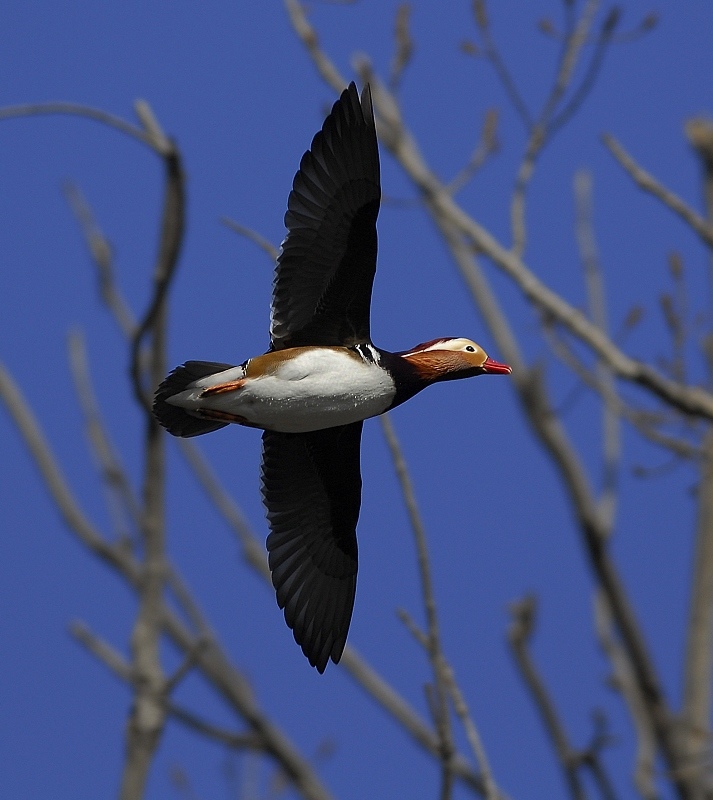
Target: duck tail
177,420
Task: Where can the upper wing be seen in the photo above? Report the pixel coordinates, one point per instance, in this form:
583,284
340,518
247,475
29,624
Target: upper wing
311,486
325,270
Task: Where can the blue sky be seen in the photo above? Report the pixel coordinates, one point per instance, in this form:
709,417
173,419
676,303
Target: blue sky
238,93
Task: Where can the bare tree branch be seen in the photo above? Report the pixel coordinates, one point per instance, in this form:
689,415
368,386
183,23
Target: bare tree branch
523,621
689,399
101,252
362,673
404,46
649,184
269,248
698,663
541,131
625,682
645,423
115,555
210,658
78,110
493,55
172,226
597,303
486,147
434,648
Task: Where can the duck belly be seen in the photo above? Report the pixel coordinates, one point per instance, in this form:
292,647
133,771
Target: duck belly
296,391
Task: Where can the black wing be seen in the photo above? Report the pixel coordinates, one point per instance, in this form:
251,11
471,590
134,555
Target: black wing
325,270
311,486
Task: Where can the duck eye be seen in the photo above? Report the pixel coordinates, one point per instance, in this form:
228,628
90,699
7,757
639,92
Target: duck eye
470,349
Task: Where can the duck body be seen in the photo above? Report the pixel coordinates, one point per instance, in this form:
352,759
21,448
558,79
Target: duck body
303,389
297,390
321,378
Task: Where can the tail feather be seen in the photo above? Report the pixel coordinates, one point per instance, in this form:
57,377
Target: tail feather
177,420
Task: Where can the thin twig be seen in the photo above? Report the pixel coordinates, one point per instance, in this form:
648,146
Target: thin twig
605,38
121,498
310,39
541,130
644,422
611,434
78,110
116,662
434,648
363,674
486,147
519,633
493,55
115,555
691,400
265,245
102,650
172,227
253,552
236,741
404,46
648,183
101,252
471,731
625,683
211,659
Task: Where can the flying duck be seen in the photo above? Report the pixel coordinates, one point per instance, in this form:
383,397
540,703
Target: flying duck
321,377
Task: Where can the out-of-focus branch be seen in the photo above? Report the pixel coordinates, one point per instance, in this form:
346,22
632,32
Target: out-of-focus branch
78,110
606,37
434,648
648,183
253,552
102,651
148,713
519,633
101,252
624,681
116,555
172,226
584,229
486,147
493,55
363,674
209,656
409,719
699,132
122,500
308,35
644,422
404,46
116,662
265,245
451,217
541,130
698,664
689,399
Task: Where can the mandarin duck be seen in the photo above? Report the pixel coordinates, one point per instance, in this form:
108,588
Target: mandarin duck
321,377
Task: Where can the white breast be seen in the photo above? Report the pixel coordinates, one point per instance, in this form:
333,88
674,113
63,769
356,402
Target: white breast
318,388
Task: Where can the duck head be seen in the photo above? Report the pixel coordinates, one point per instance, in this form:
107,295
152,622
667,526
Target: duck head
451,359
